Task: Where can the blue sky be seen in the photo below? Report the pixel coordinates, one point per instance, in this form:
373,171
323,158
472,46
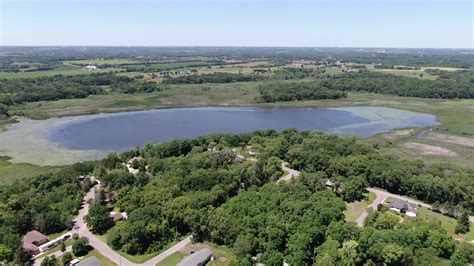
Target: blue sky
322,23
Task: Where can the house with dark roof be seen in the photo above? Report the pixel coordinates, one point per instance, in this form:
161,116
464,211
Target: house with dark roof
198,258
399,206
32,240
402,206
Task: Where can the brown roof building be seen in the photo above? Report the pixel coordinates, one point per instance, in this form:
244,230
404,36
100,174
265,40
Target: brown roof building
32,240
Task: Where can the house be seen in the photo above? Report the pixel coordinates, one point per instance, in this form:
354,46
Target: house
402,206
198,258
412,210
329,184
91,261
90,68
118,216
399,206
32,240
136,158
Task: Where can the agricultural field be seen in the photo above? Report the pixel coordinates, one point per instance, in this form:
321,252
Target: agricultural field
60,69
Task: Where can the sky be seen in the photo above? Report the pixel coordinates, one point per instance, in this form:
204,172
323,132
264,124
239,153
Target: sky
300,23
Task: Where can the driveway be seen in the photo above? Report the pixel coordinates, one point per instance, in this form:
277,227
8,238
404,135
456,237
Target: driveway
382,195
292,173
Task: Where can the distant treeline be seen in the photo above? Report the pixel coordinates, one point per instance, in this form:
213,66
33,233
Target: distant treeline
18,91
281,92
211,78
450,85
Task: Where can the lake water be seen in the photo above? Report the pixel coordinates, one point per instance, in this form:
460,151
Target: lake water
72,139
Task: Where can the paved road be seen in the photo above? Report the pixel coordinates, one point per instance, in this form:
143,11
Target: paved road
382,195
291,173
103,248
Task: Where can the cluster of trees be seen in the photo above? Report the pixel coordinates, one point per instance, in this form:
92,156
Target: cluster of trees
449,86
47,203
279,92
18,91
202,187
297,73
217,77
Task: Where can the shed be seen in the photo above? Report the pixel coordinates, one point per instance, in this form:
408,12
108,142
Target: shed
198,258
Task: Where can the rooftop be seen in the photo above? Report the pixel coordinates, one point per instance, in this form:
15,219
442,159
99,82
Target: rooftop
197,258
91,261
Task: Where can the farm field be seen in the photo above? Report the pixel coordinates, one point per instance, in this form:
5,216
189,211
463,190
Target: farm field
61,69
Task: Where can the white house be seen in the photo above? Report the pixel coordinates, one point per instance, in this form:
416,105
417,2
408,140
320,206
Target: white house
90,68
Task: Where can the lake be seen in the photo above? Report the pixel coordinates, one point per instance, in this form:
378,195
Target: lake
70,139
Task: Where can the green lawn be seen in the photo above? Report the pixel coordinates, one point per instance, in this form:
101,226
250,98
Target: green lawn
172,259
10,172
356,208
446,222
224,255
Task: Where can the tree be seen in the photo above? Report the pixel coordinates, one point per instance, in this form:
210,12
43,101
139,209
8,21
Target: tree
463,224
67,257
63,247
442,243
98,219
50,261
392,254
22,256
242,246
80,246
386,220
354,189
348,253
326,254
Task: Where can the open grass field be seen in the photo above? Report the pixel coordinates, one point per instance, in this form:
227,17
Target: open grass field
172,259
223,254
61,69
444,221
356,208
101,62
418,73
10,172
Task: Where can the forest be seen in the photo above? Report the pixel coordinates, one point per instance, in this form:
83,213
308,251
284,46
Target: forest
203,187
18,91
456,85
211,78
282,92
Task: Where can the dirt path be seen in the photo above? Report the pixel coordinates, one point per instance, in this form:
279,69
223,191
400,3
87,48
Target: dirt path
292,173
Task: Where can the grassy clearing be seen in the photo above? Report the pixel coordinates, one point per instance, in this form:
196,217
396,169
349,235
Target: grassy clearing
172,259
447,223
223,254
59,70
100,62
10,172
418,73
356,208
